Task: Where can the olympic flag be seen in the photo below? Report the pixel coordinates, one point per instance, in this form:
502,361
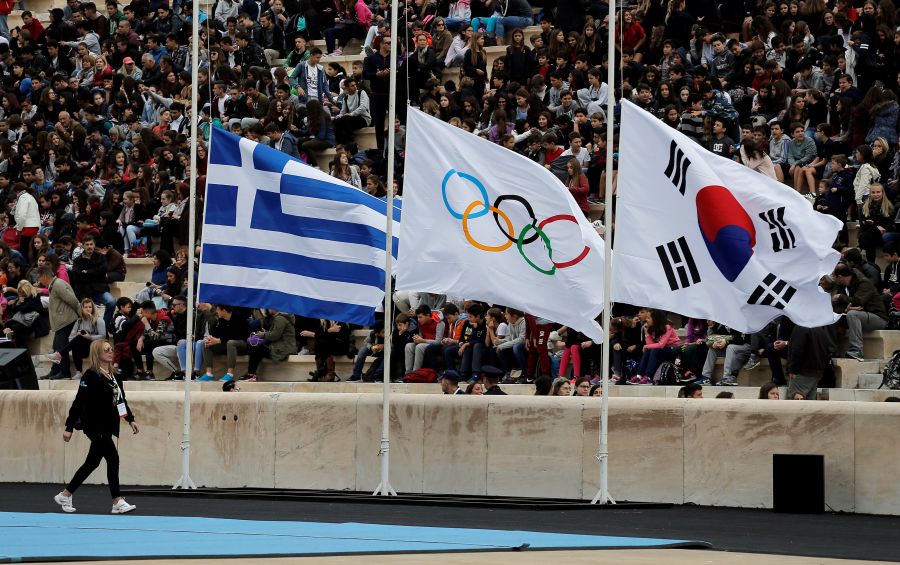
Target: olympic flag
710,238
482,222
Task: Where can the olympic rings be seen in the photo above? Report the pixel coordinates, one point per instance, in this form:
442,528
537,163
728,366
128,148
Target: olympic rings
478,185
509,233
568,218
528,209
492,249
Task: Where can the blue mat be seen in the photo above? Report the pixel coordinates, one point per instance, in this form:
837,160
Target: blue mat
33,537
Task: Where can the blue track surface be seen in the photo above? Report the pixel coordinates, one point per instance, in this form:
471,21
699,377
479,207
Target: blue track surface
31,537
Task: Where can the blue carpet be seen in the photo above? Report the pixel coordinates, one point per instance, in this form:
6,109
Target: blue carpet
31,537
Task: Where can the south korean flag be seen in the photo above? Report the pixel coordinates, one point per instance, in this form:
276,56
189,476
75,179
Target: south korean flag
709,238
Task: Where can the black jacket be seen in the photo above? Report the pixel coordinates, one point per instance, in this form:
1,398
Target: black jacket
237,328
808,354
94,409
88,275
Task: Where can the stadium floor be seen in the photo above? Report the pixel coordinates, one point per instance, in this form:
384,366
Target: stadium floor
735,531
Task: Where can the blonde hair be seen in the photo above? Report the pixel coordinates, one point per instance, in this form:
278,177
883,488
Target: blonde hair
26,288
887,209
95,360
93,316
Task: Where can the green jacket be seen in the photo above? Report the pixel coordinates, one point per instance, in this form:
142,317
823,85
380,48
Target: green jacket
281,338
64,306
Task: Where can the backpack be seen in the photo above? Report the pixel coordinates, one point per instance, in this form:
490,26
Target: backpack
423,375
891,374
667,374
894,319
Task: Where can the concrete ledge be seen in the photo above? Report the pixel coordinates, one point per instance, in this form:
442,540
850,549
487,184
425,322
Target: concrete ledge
617,391
709,452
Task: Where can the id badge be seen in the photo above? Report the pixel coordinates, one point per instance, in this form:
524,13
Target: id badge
123,411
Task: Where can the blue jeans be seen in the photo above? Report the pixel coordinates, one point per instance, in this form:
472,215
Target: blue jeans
511,22
453,24
198,354
651,359
4,27
469,363
360,362
331,36
515,357
106,298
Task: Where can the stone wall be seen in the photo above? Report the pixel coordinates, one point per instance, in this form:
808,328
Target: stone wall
707,452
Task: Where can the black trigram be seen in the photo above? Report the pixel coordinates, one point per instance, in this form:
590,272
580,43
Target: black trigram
678,263
677,169
772,292
782,236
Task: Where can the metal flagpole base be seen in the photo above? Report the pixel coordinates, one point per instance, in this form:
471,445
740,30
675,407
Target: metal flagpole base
185,483
603,496
384,488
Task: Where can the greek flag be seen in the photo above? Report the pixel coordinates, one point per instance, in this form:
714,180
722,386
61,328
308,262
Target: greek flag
280,234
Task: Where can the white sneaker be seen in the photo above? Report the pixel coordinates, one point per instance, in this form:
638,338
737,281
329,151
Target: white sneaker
65,502
122,507
76,376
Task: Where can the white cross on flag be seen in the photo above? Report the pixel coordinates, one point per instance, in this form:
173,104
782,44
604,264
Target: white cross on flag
709,238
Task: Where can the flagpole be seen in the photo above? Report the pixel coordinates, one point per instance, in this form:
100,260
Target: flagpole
185,481
603,496
384,488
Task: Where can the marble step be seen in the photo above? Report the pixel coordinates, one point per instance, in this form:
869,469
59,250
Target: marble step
870,380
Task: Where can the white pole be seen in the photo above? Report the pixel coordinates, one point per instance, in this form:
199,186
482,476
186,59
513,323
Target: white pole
185,481
603,496
384,488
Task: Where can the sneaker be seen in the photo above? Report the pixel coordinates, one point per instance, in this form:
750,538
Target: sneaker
249,378
635,380
227,378
354,378
176,376
305,351
336,53
702,381
122,507
728,381
645,381
54,358
65,502
752,363
206,378
76,376
854,354
508,380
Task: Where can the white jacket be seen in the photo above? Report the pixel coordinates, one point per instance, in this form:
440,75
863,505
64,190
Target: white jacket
26,212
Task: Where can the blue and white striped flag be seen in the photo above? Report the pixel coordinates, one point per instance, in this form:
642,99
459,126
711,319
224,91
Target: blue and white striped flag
280,234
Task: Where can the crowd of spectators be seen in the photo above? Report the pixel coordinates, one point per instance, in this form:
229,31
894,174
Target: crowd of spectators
94,161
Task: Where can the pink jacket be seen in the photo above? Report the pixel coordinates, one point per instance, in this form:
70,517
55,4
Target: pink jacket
363,14
668,339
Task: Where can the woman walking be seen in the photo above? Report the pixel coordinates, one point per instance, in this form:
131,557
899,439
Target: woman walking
98,407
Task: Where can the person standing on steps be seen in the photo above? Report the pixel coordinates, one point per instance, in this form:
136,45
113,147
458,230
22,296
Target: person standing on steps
98,408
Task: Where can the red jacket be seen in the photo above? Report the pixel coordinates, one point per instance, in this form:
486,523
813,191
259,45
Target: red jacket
90,230
36,29
6,6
